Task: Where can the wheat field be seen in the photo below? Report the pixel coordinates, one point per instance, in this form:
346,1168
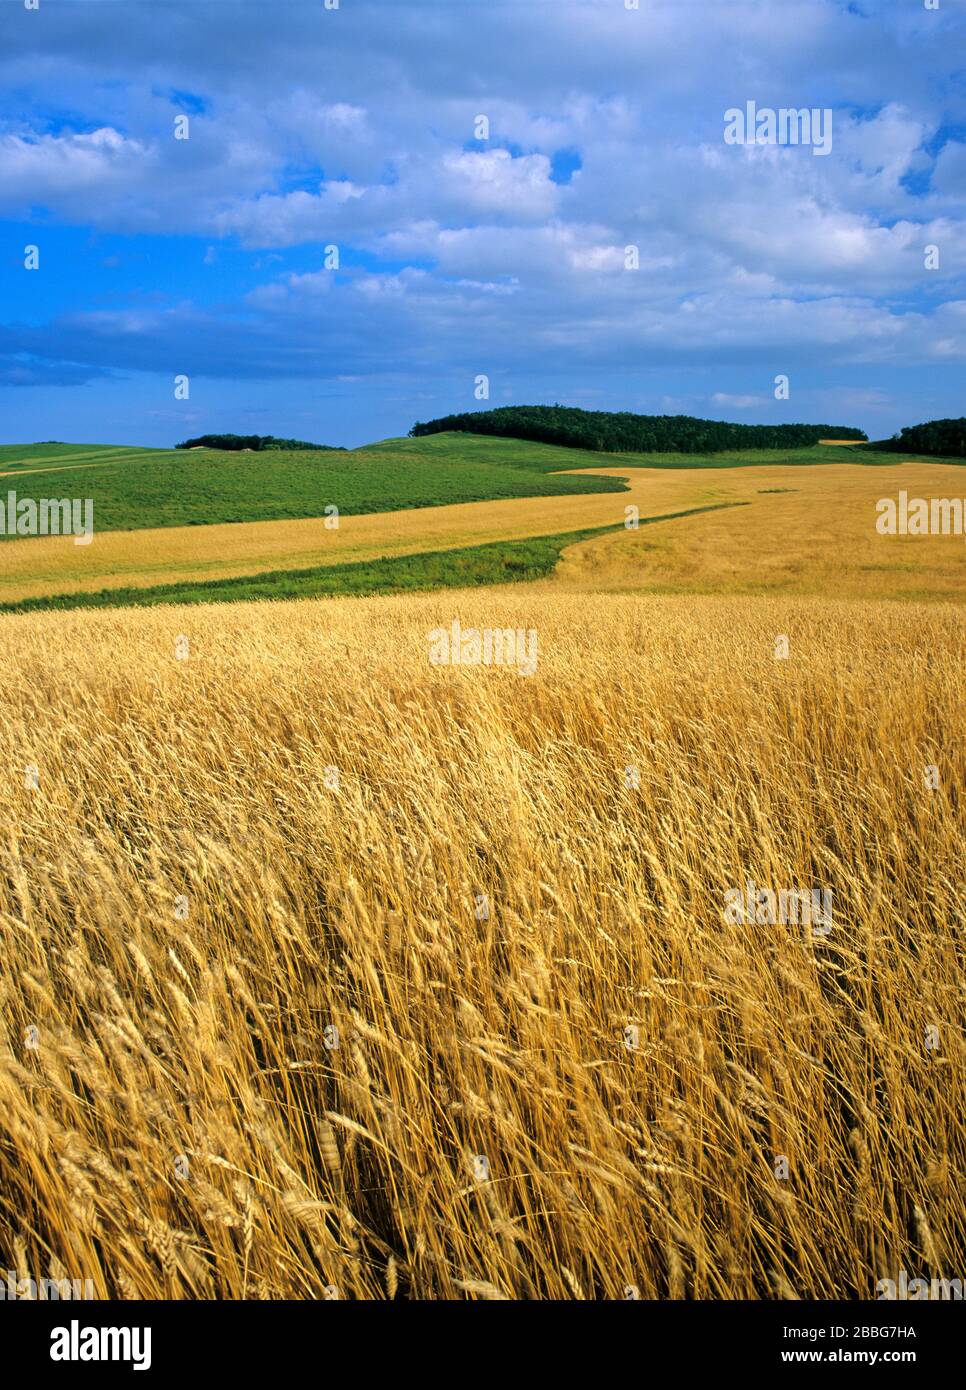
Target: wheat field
327,972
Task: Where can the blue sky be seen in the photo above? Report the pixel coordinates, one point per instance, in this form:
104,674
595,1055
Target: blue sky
504,256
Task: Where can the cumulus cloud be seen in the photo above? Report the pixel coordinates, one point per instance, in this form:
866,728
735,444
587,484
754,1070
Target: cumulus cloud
62,169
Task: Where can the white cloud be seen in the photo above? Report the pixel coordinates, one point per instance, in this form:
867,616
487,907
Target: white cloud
493,181
737,402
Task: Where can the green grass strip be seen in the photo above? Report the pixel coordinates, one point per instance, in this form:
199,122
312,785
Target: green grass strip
500,562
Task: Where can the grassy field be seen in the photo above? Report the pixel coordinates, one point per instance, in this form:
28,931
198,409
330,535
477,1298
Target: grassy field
208,863
145,489
16,457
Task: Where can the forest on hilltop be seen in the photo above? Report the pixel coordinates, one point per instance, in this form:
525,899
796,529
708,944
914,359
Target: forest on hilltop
947,438
622,432
258,443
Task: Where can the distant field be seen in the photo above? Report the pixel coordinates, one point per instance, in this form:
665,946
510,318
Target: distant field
30,568
799,530
810,534
31,455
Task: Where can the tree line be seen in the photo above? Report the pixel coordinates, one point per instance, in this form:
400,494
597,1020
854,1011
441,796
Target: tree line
944,437
623,432
259,443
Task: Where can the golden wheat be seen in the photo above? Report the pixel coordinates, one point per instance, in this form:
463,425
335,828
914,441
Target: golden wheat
319,964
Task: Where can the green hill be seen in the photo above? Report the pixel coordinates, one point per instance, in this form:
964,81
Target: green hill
137,488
